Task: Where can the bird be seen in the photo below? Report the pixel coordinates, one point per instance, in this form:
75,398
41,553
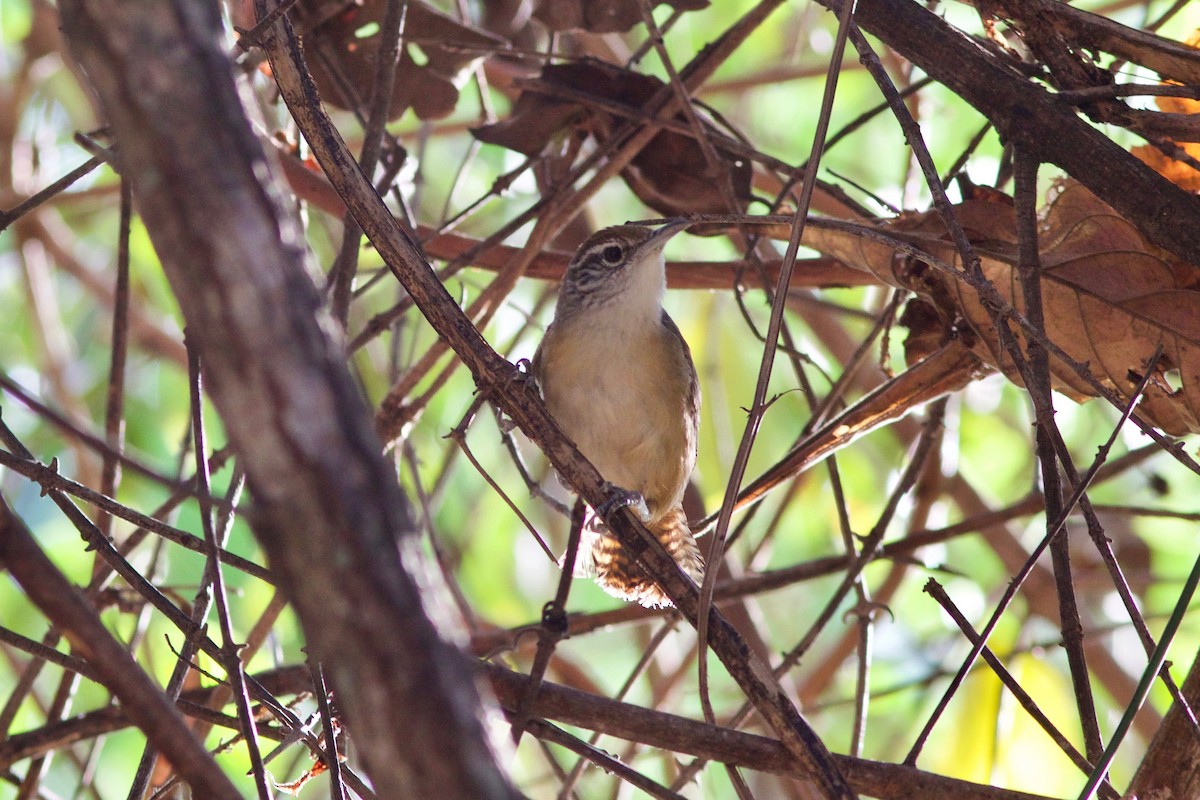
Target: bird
617,376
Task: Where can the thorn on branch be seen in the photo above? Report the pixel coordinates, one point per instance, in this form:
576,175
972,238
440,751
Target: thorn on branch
52,468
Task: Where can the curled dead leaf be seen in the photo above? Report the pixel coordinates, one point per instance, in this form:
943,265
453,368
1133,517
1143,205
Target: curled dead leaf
600,16
435,51
1110,298
570,102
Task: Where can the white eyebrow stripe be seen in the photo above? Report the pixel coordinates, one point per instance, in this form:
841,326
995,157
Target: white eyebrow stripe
597,250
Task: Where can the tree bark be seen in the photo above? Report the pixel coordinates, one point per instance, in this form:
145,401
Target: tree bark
1171,767
328,510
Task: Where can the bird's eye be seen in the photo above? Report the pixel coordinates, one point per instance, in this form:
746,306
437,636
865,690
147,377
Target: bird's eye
612,254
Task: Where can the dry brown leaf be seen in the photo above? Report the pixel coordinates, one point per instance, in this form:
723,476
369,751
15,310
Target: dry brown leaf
292,788
436,50
600,16
670,174
947,367
1177,172
1109,297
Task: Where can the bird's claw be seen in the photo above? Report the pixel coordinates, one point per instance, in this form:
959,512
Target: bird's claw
619,498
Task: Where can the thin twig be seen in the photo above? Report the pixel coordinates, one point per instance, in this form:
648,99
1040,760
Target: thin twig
229,649
757,407
16,212
544,730
114,406
554,622
1038,385
331,757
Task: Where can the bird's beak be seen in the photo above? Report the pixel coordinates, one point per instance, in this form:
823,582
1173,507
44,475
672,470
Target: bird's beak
661,236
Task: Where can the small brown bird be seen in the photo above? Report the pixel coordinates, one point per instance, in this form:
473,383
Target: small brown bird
618,378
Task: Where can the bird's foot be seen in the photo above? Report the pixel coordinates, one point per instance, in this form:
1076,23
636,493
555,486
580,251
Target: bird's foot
619,498
523,376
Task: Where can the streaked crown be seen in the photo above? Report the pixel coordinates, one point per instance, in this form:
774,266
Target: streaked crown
609,260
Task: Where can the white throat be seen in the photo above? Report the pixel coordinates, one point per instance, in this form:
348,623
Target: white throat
641,298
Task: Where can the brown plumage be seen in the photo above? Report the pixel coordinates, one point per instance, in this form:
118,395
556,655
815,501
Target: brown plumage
618,378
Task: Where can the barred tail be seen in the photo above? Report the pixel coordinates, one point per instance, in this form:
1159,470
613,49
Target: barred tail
619,575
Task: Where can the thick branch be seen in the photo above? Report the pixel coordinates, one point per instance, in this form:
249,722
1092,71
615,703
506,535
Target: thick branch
715,743
602,714
1046,127
1171,768
329,512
